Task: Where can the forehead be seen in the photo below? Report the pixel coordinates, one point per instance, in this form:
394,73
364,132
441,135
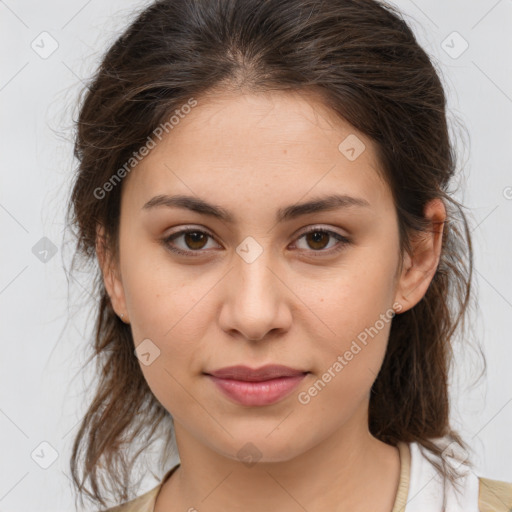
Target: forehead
259,146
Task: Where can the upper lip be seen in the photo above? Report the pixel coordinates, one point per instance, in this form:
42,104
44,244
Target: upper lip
267,372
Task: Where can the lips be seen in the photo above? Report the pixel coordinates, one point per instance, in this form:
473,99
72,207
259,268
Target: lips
256,387
268,372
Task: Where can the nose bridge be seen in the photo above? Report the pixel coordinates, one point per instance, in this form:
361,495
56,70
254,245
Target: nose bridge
252,269
253,303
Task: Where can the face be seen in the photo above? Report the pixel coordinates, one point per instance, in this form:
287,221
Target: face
270,282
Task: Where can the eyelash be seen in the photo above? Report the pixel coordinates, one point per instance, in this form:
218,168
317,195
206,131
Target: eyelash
343,242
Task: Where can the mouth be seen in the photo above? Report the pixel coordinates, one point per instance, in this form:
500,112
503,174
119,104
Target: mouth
264,373
256,387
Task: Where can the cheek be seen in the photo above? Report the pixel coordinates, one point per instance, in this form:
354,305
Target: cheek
166,316
348,359
356,308
164,307
169,318
159,296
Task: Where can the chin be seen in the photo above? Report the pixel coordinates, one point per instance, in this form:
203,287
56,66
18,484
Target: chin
260,447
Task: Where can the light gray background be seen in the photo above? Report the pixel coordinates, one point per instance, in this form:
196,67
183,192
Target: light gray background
41,399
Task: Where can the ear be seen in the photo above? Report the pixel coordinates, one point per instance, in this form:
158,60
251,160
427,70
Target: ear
111,274
420,266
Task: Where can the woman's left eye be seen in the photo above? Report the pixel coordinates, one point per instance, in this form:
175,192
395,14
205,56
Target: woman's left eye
195,240
317,238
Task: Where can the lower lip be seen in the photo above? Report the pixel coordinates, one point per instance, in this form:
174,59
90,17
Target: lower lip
257,393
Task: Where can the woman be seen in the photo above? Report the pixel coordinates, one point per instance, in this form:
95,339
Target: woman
264,186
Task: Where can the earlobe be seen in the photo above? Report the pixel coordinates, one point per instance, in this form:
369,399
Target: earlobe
111,275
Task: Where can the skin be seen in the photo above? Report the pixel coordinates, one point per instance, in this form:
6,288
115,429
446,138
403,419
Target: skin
253,154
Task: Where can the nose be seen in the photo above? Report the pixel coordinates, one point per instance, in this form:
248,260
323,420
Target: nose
256,300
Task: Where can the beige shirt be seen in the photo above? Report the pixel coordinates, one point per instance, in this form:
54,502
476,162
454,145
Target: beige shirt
494,495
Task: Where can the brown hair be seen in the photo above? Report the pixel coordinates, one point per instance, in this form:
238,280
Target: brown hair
364,61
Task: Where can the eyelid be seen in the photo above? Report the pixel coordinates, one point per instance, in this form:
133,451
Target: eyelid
317,227
342,240
183,231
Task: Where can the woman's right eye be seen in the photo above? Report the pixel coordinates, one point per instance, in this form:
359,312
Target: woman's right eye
194,240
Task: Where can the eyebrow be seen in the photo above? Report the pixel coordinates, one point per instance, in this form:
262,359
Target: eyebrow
195,204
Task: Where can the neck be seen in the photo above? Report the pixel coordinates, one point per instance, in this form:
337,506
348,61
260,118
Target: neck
336,474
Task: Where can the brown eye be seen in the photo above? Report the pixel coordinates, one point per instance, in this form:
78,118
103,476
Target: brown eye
192,241
317,239
195,239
